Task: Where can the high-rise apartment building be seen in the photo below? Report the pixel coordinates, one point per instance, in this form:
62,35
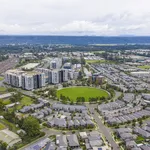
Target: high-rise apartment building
55,77
13,77
26,80
56,63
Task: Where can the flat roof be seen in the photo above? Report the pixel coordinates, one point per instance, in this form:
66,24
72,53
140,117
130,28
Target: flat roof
9,137
30,65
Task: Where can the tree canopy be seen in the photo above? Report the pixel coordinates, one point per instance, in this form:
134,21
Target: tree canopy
31,126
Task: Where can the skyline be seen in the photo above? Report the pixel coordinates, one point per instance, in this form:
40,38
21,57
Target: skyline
75,18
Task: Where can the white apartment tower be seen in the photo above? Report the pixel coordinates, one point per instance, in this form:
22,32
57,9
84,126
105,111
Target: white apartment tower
55,76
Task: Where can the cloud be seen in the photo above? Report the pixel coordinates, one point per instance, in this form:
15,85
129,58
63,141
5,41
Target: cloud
75,17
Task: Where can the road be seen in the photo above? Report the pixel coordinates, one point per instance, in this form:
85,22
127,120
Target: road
102,128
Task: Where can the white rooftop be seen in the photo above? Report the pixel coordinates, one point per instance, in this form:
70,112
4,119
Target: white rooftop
9,137
30,65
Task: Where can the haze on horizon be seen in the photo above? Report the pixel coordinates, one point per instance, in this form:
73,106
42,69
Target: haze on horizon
75,17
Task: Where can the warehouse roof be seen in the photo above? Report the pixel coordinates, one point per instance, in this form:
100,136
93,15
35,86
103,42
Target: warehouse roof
9,137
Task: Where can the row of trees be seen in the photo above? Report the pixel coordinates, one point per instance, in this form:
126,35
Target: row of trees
96,99
64,99
82,99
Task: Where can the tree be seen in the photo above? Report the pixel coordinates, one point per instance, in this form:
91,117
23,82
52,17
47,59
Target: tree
1,104
133,124
31,126
52,92
83,99
75,61
3,145
83,61
65,84
10,116
16,97
61,96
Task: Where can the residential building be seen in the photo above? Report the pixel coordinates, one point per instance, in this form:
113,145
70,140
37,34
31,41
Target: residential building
55,76
73,141
33,80
56,63
26,80
63,75
13,77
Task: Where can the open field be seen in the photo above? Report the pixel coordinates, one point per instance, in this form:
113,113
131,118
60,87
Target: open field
144,67
85,92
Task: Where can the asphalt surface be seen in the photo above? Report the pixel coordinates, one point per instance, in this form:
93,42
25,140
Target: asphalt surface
102,128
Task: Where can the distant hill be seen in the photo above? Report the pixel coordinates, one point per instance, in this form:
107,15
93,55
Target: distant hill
74,40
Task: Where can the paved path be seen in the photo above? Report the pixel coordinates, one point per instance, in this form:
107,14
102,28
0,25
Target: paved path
102,128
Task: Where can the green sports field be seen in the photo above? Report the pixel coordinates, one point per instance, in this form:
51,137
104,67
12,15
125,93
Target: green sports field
85,92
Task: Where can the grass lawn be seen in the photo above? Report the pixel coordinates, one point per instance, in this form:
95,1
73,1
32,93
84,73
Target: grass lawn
9,124
1,78
2,89
85,92
25,102
6,101
139,139
2,126
144,67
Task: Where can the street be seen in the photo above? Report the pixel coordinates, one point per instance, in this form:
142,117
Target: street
102,128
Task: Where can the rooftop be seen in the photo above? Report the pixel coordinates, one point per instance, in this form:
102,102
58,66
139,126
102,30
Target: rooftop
30,65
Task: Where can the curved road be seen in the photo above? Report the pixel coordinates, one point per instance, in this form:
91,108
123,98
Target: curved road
102,128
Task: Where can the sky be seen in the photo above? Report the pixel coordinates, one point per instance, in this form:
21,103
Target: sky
75,17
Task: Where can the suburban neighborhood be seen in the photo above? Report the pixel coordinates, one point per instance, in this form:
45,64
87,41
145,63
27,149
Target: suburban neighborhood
76,101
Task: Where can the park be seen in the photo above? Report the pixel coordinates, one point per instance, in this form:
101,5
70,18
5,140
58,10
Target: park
87,92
